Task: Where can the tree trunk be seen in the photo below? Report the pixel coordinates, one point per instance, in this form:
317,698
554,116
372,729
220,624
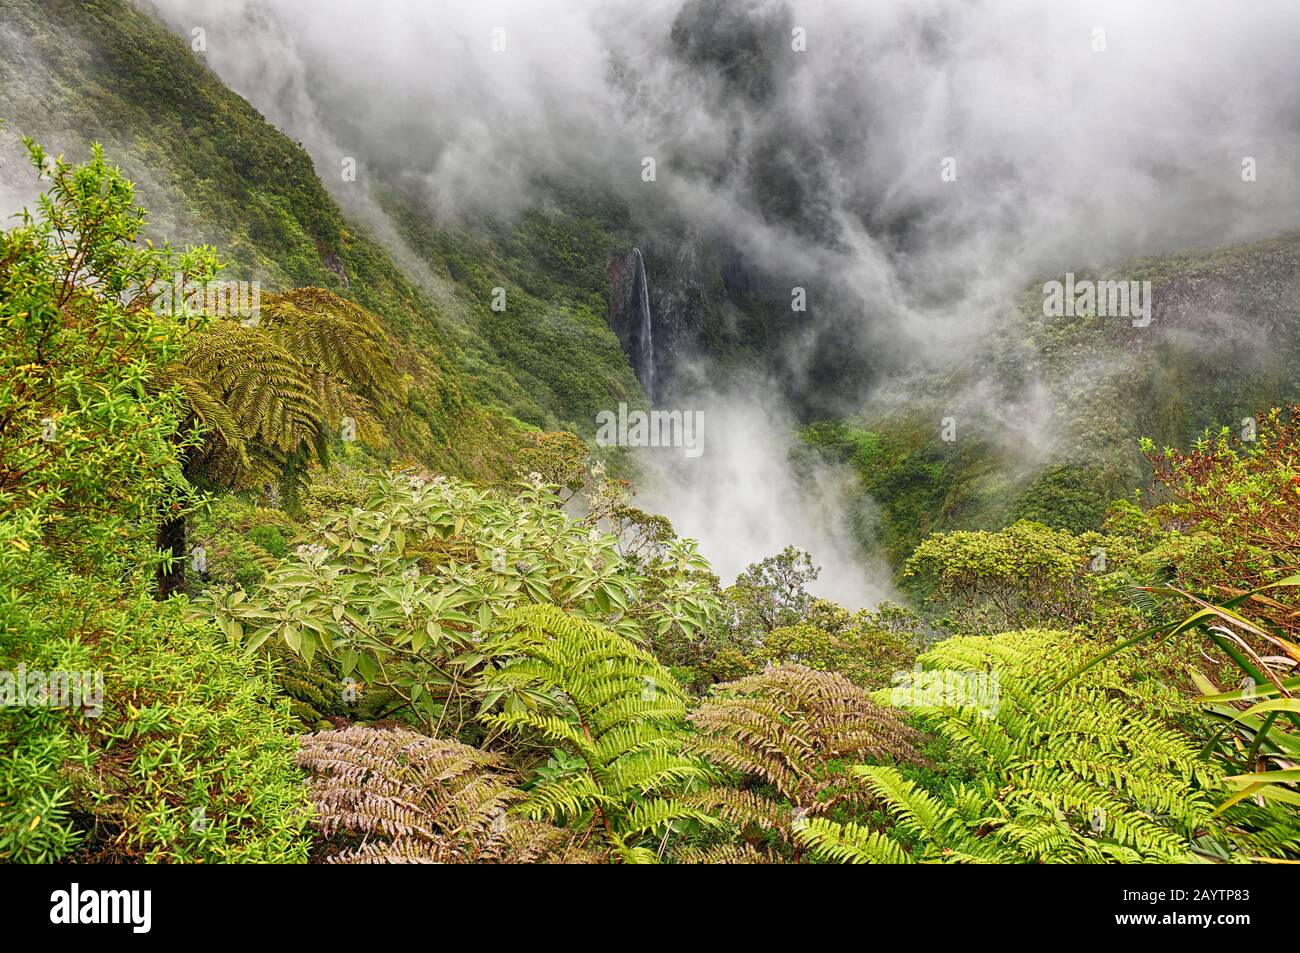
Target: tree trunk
171,538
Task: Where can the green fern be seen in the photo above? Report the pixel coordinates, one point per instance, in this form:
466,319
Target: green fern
849,843
567,683
270,394
1087,774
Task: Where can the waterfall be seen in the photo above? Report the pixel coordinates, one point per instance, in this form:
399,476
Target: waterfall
645,351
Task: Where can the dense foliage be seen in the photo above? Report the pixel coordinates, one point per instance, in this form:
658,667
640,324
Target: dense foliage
1099,771
181,749
526,667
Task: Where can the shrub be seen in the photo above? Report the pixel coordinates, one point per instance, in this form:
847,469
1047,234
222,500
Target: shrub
1025,575
1239,502
400,593
868,647
189,757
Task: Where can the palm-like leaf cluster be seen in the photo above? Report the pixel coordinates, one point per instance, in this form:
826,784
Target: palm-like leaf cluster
272,392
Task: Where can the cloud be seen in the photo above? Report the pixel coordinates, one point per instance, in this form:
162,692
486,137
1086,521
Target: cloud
1080,133
827,160
744,499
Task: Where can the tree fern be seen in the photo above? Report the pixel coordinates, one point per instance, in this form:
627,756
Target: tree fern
269,395
268,390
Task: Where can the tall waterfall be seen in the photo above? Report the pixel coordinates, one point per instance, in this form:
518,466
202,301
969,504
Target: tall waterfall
645,350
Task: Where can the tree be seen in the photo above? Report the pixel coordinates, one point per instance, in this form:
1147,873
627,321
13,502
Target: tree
773,593
270,394
86,424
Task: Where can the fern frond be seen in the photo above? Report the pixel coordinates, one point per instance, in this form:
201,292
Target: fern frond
788,727
848,843
414,799
569,683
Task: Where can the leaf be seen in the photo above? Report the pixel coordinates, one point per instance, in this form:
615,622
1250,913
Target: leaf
1276,704
1264,690
1266,777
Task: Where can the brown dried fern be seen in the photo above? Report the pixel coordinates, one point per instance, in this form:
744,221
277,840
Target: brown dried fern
722,854
395,796
787,728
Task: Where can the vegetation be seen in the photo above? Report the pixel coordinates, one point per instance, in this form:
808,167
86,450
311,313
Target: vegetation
175,747
400,797
615,719
269,390
787,736
443,633
1024,576
1097,772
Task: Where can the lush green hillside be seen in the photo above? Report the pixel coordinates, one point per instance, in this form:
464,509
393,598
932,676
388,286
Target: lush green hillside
210,168
231,632
1222,346
548,358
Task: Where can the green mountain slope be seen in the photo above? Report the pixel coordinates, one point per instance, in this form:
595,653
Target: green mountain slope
210,168
1222,346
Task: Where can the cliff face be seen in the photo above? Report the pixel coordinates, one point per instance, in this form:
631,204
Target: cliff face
678,298
655,322
632,316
